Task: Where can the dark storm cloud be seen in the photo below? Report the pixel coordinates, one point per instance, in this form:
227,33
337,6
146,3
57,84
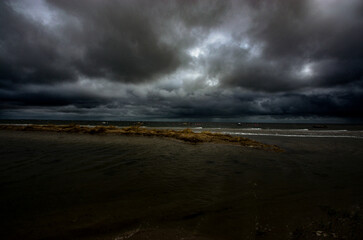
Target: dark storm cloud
28,52
118,41
326,29
181,59
49,99
336,103
125,41
111,40
290,34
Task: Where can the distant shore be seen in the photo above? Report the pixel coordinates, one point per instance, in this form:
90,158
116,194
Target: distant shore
186,135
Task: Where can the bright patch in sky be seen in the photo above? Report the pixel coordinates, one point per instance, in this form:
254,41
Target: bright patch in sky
212,82
36,10
245,45
217,38
306,71
195,52
203,48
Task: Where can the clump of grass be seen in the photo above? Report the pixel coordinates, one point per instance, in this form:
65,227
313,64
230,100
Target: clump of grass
186,135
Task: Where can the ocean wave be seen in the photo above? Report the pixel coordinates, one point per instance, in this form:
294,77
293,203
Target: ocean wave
341,130
292,135
280,129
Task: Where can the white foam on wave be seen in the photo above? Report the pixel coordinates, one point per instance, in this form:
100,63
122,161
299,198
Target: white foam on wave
298,130
292,135
87,125
274,129
342,130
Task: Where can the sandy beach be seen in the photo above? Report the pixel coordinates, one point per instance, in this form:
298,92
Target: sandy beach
76,186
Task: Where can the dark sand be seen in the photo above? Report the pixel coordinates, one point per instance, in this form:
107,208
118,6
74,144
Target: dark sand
74,186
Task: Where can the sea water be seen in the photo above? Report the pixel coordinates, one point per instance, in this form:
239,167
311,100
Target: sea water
78,186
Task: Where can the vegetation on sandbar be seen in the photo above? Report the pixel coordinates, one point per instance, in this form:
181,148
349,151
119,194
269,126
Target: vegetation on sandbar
186,135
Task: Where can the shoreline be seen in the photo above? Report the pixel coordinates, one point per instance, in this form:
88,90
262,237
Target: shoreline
185,135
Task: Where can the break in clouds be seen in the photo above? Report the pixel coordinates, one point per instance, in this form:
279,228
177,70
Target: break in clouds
250,60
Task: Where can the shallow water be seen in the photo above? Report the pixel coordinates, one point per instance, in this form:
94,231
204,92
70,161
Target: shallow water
69,186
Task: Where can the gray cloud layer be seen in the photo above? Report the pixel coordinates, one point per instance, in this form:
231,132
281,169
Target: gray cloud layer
181,59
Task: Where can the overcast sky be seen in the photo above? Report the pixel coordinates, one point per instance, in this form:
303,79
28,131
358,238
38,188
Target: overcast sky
252,60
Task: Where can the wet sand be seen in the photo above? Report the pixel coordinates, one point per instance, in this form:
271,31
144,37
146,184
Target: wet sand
74,186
